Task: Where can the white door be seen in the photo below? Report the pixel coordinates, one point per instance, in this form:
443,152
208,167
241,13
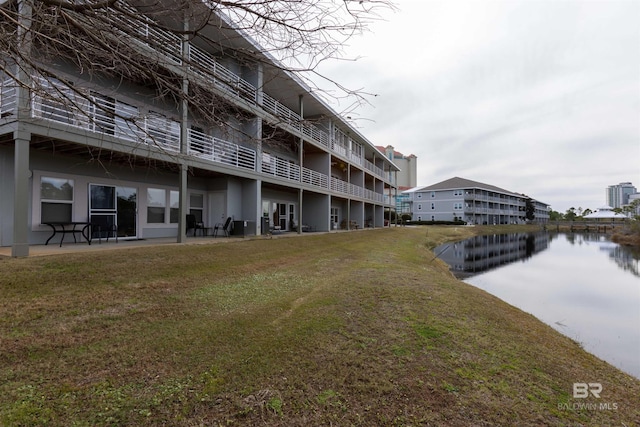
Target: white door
217,208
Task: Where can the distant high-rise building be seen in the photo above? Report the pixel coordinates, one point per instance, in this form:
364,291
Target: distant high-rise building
407,176
618,195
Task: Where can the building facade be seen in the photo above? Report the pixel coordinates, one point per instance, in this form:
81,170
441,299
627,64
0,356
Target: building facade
85,147
459,199
618,195
407,177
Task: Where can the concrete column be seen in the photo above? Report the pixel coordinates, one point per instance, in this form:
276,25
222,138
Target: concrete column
21,191
22,139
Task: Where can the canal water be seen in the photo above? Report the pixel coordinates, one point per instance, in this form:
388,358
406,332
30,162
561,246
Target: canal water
581,284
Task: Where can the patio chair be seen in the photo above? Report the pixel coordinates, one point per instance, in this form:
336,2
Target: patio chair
193,224
102,226
226,228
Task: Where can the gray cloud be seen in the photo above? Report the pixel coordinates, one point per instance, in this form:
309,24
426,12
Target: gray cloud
536,97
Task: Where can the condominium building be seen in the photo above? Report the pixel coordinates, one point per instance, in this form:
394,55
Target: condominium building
459,199
618,195
121,151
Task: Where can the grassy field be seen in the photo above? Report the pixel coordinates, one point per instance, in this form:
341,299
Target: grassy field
365,328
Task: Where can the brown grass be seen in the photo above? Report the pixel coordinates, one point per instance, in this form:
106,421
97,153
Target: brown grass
363,328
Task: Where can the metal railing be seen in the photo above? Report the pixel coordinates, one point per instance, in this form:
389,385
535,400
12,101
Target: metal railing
207,67
217,150
8,98
57,102
281,168
95,113
315,178
373,168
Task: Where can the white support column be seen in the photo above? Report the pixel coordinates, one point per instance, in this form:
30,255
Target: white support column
300,161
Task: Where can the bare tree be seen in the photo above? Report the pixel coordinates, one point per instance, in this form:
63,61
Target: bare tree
143,41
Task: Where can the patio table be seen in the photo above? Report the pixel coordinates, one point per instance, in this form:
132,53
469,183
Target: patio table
70,227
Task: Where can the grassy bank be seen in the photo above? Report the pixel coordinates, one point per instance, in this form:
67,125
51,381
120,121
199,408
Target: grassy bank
362,328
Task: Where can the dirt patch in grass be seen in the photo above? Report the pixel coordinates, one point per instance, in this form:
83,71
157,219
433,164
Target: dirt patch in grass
363,328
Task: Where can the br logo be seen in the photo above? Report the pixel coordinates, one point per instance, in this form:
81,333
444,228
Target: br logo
582,390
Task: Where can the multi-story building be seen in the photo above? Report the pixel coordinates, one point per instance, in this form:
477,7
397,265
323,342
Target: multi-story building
632,199
78,146
618,195
459,199
407,176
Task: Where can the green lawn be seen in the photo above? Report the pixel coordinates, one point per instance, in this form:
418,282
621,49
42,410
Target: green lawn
363,328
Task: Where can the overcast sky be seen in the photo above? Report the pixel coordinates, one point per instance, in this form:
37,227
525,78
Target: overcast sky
536,97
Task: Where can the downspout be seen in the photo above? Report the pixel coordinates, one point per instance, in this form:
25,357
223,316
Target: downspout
395,197
300,160
258,138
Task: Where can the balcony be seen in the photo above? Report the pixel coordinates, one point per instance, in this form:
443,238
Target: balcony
108,116
207,69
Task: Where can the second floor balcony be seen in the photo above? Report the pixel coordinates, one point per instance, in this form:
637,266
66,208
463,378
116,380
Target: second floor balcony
102,115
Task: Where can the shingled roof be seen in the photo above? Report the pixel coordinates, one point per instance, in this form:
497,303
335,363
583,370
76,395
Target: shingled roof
462,183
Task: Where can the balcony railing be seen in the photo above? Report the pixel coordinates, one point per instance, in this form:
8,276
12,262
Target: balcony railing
281,168
315,178
209,69
58,103
217,150
8,98
373,168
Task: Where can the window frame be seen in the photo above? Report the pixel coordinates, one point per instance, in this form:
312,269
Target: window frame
53,201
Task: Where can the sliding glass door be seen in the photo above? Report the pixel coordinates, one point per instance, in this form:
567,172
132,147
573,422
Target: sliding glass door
113,210
127,211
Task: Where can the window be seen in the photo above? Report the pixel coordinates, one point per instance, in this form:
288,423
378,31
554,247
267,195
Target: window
420,206
457,192
433,205
268,163
335,215
433,194
114,117
457,206
196,206
125,121
56,199
164,132
174,206
419,195
156,205
158,200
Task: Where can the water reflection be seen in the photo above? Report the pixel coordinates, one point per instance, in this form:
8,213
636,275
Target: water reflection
581,284
482,253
